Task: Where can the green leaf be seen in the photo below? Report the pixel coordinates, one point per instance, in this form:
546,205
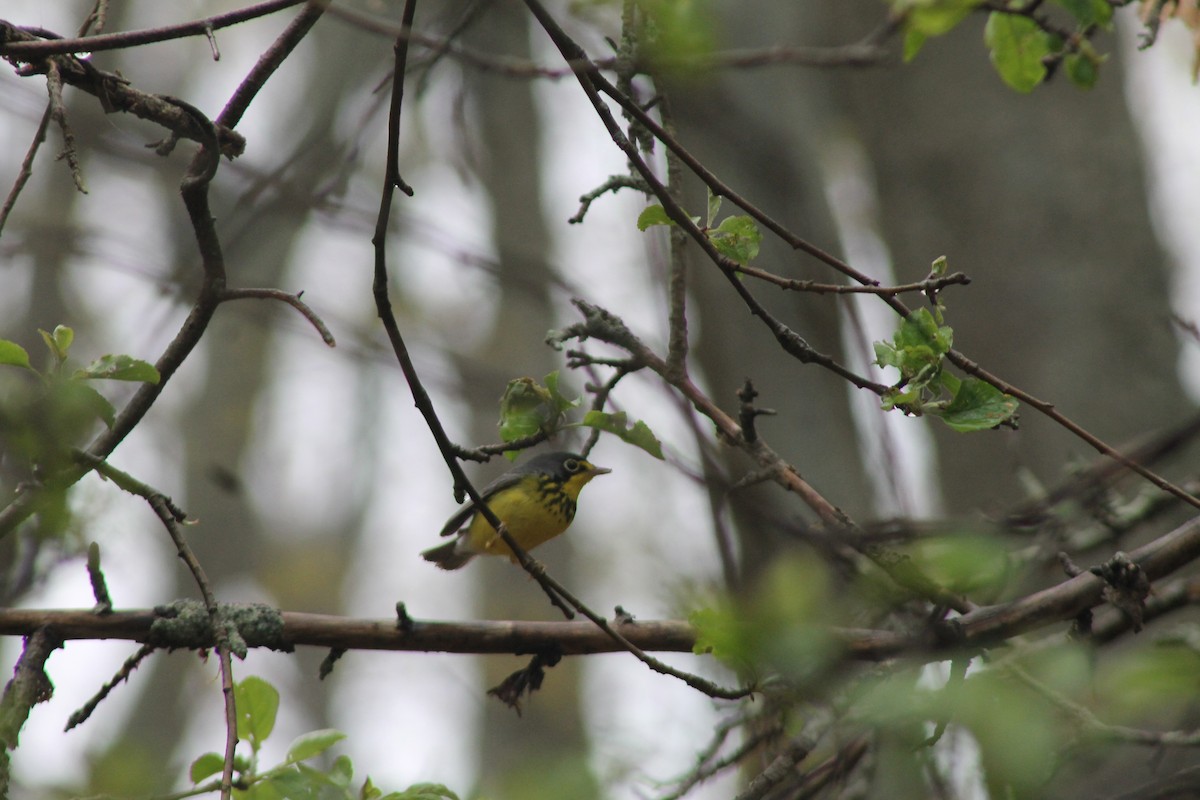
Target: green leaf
917,347
288,784
679,33
1082,71
638,434
317,779
781,622
206,766
653,215
1138,684
313,743
58,342
12,354
978,406
81,396
717,633
914,40
119,368
257,703
1089,12
924,19
962,562
342,771
737,238
423,791
560,402
714,207
1018,48
1083,67
528,407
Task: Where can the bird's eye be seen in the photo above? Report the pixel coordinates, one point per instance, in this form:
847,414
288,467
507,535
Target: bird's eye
572,465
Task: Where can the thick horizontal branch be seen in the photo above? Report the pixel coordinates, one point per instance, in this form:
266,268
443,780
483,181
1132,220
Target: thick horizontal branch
323,630
172,627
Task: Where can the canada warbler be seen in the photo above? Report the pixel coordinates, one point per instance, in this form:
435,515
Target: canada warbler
535,501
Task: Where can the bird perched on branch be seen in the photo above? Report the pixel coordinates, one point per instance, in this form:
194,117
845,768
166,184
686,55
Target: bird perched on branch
535,501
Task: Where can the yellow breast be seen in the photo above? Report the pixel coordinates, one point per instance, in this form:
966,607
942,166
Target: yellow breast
534,511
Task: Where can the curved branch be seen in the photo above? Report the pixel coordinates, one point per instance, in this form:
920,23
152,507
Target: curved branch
292,300
29,49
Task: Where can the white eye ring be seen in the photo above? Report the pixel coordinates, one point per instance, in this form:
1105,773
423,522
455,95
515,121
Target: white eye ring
572,465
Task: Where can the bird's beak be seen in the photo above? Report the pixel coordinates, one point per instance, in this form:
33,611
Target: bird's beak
600,470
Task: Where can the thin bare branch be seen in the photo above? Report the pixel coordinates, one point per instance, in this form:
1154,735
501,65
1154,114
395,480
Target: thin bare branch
34,48
292,300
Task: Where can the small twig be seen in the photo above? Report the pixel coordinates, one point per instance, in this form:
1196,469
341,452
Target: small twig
1105,470
82,714
1153,21
614,184
26,170
485,452
326,668
958,676
832,768
404,623
749,412
212,41
1069,567
707,763
171,517
696,682
175,530
778,770
128,483
924,286
58,113
601,392
292,300
104,603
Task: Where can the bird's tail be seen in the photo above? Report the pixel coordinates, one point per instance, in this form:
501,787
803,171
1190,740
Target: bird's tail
447,556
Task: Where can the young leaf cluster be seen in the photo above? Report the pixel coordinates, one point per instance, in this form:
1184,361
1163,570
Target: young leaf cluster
737,238
71,390
1022,42
46,414
528,408
257,704
918,350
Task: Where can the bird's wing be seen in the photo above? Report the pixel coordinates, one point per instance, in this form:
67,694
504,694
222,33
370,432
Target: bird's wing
460,518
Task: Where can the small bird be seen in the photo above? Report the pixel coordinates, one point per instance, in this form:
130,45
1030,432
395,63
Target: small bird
535,501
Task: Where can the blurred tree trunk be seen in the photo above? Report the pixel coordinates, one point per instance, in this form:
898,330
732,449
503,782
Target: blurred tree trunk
542,752
1041,200
759,130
